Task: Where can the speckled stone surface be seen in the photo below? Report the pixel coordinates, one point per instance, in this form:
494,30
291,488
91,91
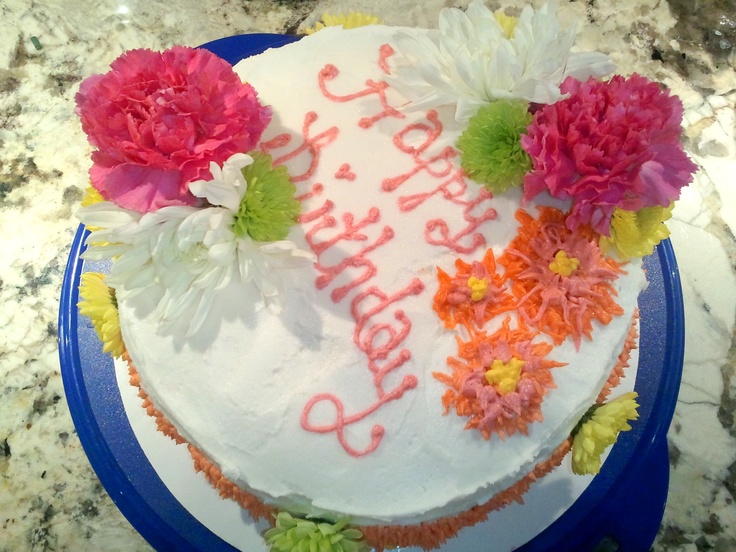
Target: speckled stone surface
50,499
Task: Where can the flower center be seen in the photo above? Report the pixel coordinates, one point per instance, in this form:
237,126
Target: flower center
268,209
194,254
478,288
505,375
564,265
507,22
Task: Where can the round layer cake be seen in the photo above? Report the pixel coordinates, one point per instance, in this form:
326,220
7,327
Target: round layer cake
334,406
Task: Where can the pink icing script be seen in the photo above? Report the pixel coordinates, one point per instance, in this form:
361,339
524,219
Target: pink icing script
378,340
345,172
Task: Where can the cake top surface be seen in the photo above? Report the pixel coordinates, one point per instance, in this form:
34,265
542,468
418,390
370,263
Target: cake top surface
430,222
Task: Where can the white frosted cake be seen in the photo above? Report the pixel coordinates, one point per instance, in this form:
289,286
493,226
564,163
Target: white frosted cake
416,344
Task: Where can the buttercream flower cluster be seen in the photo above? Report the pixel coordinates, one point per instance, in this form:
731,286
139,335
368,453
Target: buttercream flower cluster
557,283
599,429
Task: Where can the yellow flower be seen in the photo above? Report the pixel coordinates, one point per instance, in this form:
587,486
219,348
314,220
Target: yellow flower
599,429
91,196
99,304
636,233
349,21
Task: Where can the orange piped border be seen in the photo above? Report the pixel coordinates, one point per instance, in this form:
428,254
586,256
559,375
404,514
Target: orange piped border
630,343
433,534
427,535
226,488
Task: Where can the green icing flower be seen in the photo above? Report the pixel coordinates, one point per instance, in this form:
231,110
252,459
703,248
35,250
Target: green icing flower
599,429
292,534
490,147
268,208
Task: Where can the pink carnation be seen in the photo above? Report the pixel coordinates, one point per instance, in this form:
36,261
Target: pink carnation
609,144
159,119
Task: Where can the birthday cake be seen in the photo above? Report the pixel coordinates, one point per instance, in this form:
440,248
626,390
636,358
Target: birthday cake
379,279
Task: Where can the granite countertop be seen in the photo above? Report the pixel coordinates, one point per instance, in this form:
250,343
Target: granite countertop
50,499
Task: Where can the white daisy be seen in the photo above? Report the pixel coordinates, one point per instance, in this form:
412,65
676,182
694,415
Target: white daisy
471,60
189,252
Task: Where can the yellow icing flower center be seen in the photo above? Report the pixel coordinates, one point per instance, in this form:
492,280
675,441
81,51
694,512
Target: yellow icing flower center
564,265
478,288
507,22
505,375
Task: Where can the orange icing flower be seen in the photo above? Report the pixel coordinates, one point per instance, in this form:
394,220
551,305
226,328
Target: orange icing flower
549,298
473,296
499,380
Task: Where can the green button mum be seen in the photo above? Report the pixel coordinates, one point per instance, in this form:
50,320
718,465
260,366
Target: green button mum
268,208
292,534
490,147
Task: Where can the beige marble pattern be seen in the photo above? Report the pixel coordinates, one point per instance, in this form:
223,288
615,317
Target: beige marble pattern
50,499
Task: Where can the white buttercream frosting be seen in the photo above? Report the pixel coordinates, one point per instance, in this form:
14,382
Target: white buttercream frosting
273,398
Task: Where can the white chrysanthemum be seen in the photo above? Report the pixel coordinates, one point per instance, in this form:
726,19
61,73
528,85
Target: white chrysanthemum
471,60
190,253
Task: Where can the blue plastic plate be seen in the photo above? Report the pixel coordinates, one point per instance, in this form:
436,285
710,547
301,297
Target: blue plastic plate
622,507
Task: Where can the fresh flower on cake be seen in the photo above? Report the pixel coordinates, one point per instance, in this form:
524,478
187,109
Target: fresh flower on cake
293,534
99,304
476,57
608,145
636,233
599,429
157,121
491,145
178,204
352,20
91,196
189,252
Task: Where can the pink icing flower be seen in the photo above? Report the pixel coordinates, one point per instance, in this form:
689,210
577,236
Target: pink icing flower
496,407
159,118
609,144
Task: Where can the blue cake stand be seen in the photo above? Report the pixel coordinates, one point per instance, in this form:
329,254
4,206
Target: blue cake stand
620,510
